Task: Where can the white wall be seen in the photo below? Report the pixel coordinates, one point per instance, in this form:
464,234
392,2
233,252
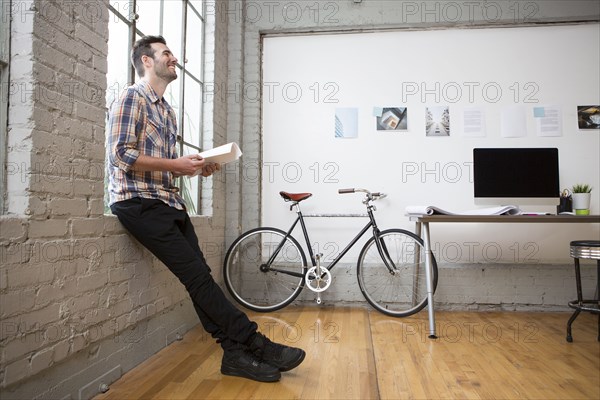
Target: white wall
306,77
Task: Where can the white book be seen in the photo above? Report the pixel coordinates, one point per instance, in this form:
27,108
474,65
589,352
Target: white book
220,155
223,154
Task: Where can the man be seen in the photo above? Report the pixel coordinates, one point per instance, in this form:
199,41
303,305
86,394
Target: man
142,164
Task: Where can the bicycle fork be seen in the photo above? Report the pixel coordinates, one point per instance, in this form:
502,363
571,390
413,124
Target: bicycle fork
318,279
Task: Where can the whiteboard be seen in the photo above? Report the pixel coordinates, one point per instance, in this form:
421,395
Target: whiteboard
307,77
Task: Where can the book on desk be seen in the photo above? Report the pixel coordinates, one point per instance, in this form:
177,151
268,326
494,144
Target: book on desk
417,211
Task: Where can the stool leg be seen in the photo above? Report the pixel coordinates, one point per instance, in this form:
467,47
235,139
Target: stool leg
579,300
598,293
578,282
575,314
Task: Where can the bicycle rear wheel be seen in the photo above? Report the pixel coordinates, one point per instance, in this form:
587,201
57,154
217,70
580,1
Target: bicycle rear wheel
402,292
256,285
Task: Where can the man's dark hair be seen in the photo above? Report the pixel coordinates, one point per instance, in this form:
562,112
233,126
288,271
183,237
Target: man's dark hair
142,47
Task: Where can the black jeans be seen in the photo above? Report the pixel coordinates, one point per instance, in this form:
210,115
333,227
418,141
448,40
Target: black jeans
169,234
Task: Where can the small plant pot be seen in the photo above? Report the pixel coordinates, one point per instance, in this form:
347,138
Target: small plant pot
581,203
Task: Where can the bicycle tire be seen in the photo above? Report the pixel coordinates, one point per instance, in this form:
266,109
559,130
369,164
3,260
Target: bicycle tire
401,294
260,289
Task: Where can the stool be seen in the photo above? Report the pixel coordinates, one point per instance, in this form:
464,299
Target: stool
584,249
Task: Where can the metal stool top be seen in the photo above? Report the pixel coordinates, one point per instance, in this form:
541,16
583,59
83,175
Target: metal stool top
585,249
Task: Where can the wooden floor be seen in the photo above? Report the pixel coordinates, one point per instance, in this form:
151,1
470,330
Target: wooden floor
358,353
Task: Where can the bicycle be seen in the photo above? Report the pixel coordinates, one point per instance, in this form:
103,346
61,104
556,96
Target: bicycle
265,268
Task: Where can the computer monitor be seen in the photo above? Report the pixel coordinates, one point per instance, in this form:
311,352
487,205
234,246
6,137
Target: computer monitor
517,176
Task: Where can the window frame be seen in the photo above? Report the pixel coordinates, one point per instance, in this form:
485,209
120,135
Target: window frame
5,18
185,73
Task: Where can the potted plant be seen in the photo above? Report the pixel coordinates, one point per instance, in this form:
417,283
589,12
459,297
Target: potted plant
581,198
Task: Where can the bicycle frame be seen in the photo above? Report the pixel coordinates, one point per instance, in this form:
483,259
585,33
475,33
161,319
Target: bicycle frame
300,218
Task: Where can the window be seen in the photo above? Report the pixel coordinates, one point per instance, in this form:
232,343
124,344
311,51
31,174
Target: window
181,22
4,64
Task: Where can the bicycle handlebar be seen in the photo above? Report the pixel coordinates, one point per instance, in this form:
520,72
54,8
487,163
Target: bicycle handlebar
369,194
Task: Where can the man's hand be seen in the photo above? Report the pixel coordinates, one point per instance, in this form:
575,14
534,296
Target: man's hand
210,168
188,165
185,165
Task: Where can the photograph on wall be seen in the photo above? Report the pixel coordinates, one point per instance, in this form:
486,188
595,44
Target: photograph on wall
392,119
588,117
437,121
346,122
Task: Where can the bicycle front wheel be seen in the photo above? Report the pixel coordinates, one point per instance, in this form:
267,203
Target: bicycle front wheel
264,270
403,290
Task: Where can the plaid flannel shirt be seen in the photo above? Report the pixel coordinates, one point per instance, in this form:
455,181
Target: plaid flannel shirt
141,123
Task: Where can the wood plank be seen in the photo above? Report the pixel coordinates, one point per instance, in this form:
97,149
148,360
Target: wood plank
358,353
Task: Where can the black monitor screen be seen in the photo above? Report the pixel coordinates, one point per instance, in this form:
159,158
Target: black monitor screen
516,172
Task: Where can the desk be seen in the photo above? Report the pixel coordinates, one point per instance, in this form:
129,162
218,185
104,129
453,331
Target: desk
425,220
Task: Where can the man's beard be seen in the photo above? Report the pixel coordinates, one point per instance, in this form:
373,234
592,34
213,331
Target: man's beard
167,74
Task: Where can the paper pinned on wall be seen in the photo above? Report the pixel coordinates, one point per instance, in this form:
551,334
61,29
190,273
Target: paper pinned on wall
473,122
548,121
514,122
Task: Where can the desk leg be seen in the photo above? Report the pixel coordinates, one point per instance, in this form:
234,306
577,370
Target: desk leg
428,276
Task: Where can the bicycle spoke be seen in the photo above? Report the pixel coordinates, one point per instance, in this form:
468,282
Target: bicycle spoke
399,292
257,285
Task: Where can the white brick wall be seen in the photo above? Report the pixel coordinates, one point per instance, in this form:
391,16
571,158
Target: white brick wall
71,279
